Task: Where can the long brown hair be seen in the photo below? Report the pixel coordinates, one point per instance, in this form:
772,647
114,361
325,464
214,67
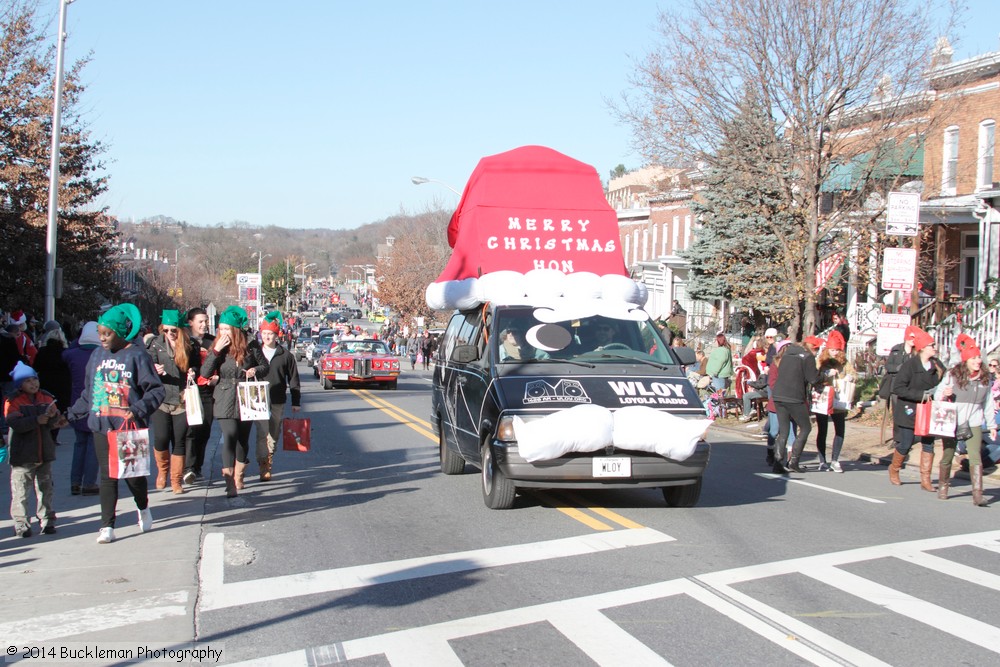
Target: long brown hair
960,375
827,359
238,347
181,349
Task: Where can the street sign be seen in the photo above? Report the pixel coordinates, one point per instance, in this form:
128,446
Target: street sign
899,266
902,214
890,332
248,279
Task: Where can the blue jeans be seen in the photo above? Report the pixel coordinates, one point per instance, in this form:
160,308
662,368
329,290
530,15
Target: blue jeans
772,431
83,471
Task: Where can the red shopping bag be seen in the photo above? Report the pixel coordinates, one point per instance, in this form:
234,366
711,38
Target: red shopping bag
922,419
296,434
128,451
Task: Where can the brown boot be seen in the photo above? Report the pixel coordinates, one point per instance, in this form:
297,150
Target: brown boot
897,463
926,463
241,469
265,468
162,467
176,472
944,481
976,473
227,477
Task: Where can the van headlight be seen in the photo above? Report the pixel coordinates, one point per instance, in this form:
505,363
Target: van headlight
505,430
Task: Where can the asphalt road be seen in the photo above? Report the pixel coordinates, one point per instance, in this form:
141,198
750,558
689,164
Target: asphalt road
361,551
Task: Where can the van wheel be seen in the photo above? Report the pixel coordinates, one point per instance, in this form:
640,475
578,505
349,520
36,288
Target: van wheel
682,496
498,491
451,463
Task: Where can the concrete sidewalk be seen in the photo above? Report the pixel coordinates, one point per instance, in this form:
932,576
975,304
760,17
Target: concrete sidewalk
142,588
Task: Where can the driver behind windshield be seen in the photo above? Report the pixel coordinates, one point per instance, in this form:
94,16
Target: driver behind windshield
601,335
514,346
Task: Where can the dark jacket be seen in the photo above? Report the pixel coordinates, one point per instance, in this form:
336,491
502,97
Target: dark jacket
897,357
913,382
174,380
230,373
30,441
53,373
796,376
76,357
117,382
283,374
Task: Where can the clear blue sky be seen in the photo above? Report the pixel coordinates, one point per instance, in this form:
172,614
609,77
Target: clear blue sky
316,113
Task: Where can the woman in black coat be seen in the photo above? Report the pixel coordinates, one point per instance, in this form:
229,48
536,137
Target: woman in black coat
54,374
234,359
915,383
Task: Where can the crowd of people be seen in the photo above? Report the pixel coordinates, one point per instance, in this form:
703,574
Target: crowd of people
812,382
110,378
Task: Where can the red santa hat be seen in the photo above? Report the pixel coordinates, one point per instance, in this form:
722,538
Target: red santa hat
921,339
910,332
18,317
815,341
835,341
967,346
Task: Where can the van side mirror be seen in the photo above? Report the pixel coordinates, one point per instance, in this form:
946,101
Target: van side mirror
463,354
685,355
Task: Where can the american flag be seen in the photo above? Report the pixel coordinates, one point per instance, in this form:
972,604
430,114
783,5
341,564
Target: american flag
826,269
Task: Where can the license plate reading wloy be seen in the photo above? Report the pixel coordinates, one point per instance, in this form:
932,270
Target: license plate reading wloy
612,466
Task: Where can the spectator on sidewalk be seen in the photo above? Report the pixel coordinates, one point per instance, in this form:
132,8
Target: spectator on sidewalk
31,415
720,363
83,471
283,376
914,383
968,385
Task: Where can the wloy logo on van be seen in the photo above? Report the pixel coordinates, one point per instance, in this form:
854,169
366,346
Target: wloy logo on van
563,391
656,393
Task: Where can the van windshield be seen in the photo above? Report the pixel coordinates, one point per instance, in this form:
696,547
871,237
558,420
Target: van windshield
522,337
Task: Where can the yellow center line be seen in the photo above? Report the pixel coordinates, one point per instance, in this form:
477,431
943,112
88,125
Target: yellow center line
606,513
423,428
572,512
386,403
400,418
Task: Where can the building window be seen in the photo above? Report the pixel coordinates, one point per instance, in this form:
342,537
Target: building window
984,165
677,225
949,170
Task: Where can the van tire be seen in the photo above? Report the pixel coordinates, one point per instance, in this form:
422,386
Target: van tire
451,463
498,491
682,496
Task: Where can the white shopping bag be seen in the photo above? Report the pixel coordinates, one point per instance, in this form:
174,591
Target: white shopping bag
255,400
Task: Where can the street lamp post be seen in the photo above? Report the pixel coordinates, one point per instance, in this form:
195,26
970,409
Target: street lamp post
420,180
302,292
260,276
176,250
53,226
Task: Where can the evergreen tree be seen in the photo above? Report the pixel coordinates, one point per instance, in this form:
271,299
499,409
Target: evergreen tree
87,247
745,229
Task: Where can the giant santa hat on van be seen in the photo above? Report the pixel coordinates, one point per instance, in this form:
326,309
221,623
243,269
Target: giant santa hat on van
533,227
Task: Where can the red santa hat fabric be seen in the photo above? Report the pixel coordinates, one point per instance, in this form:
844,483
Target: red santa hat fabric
967,347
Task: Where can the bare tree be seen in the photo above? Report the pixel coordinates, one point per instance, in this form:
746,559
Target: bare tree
416,259
842,82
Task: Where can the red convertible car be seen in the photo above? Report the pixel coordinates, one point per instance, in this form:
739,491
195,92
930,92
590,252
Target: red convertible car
353,362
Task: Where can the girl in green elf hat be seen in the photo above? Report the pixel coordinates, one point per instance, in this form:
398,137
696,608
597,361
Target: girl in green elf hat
176,361
234,359
121,385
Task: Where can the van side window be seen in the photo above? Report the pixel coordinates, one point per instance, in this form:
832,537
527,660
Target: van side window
451,335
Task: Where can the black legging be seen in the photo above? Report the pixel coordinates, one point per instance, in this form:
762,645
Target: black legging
197,437
109,486
235,441
169,429
839,428
798,413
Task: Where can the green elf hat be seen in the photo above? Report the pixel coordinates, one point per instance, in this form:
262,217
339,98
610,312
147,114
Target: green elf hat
171,318
124,319
234,316
272,322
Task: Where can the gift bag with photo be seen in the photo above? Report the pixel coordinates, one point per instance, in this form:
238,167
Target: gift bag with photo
936,418
128,452
822,401
254,400
843,397
296,434
192,405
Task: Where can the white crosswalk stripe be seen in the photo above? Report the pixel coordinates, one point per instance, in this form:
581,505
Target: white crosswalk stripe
582,621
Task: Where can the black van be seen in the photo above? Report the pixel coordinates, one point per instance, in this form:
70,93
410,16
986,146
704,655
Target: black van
499,367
